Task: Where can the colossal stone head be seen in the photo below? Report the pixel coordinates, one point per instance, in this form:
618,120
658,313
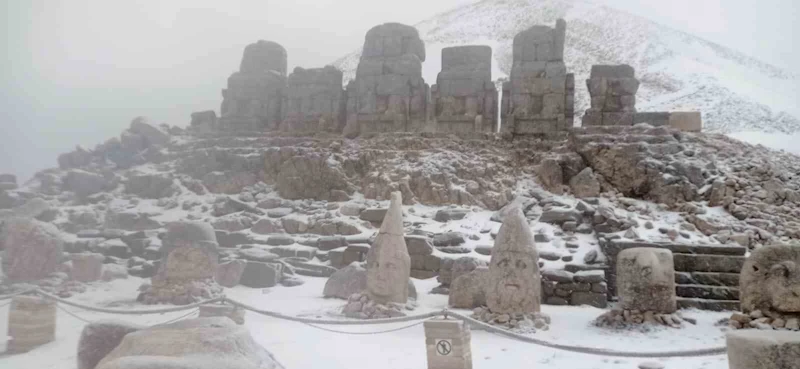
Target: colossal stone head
770,280
514,281
388,262
263,56
189,251
646,279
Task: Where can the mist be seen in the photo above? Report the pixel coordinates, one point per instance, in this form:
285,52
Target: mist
76,72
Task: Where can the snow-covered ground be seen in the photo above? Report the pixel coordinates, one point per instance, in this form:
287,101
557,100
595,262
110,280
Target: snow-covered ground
299,346
777,141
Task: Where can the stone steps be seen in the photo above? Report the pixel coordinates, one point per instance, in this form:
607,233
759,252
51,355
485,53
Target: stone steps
707,278
705,304
708,263
707,292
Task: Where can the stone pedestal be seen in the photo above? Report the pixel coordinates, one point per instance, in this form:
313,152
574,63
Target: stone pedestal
646,280
235,313
87,267
31,323
761,349
448,344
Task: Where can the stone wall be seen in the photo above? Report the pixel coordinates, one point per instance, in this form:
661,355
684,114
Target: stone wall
256,93
538,97
612,89
560,287
388,93
315,100
464,98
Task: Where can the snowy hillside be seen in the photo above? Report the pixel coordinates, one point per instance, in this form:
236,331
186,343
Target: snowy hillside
678,71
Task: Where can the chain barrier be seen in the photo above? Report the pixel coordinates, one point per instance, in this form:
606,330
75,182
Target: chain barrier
422,317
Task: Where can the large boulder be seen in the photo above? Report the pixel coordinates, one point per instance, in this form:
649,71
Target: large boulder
100,338
469,290
33,249
585,184
261,275
353,279
84,183
770,280
202,343
153,135
229,274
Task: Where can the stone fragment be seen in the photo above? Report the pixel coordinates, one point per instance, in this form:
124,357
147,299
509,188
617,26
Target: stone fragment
87,267
645,280
585,184
100,338
767,349
770,280
230,273
261,275
346,282
467,291
33,249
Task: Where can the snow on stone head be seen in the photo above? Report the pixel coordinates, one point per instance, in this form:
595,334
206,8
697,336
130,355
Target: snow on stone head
514,281
388,262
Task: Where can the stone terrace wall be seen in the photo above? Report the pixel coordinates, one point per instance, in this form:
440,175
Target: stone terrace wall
255,95
315,100
388,93
464,96
538,98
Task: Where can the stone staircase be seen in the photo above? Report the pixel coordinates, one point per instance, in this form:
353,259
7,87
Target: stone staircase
706,276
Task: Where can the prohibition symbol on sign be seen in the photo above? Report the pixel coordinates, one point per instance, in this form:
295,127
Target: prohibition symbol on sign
443,347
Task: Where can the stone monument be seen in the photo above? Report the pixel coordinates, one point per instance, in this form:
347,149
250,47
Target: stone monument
388,93
33,249
769,289
315,101
613,96
464,98
255,95
188,264
388,270
540,96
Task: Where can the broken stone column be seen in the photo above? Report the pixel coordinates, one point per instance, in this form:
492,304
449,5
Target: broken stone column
31,323
612,89
763,349
255,95
464,97
235,313
388,93
188,264
315,101
87,267
514,284
539,97
646,280
388,262
448,344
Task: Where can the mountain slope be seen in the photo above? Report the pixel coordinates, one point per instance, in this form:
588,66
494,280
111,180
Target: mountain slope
678,71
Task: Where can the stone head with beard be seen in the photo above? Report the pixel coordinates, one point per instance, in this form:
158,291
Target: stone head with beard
514,281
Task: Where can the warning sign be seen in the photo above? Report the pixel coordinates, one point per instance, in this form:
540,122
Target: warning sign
444,347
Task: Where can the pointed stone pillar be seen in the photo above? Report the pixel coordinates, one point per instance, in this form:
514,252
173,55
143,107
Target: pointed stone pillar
388,262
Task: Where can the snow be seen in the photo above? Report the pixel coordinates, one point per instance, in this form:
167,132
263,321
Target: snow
301,346
778,141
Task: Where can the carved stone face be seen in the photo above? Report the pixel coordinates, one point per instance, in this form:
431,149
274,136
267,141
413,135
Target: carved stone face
514,283
784,286
387,278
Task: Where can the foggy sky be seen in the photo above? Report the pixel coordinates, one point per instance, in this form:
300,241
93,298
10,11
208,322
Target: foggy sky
77,71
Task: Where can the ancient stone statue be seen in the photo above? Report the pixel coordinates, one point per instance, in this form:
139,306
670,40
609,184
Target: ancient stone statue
770,280
514,284
388,262
646,280
464,97
613,93
255,95
388,93
540,96
188,265
315,101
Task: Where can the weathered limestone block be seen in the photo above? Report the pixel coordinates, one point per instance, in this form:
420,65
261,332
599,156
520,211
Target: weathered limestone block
514,285
188,265
31,323
770,280
763,349
612,89
686,121
388,261
235,313
256,93
87,267
448,344
646,280
33,249
315,100
196,343
464,97
540,95
99,338
229,274
388,93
